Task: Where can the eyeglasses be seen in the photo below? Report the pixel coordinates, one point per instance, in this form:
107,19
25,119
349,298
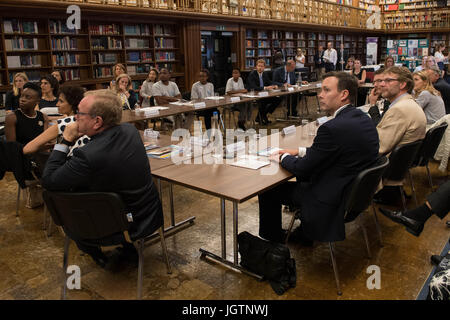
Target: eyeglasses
83,113
388,80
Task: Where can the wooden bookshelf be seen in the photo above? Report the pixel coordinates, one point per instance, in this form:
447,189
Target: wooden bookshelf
86,56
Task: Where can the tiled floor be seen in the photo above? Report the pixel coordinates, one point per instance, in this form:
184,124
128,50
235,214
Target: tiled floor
30,261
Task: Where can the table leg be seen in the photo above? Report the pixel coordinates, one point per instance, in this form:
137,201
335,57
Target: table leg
223,229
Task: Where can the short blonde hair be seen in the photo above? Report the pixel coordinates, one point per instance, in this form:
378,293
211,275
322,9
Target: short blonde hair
261,61
121,66
23,76
106,105
123,75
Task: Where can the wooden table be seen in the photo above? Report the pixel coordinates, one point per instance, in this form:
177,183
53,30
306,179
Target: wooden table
235,184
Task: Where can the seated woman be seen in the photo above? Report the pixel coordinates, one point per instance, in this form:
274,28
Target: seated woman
146,89
117,70
69,98
350,63
13,96
50,88
124,91
360,74
236,85
59,75
428,97
26,123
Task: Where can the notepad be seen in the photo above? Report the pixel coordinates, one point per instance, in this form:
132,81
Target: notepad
268,151
250,162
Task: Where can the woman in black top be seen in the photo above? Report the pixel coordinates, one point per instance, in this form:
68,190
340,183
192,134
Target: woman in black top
360,74
49,87
12,97
26,123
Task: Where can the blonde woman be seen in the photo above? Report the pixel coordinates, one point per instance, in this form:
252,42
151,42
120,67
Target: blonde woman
117,70
428,97
350,63
12,97
146,88
124,91
299,59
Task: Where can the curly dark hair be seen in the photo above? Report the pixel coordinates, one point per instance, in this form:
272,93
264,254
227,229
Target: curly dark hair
73,95
53,83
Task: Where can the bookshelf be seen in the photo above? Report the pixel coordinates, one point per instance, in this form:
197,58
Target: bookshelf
86,56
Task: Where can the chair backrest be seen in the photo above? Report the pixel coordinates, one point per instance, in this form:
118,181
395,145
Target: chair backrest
430,144
186,95
221,91
87,215
401,159
363,188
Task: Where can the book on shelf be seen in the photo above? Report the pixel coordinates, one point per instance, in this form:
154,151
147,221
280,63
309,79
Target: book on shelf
16,26
146,56
59,27
24,61
162,43
136,29
133,43
71,74
165,55
133,57
101,58
65,59
19,43
104,29
64,43
104,43
103,72
166,30
168,66
249,44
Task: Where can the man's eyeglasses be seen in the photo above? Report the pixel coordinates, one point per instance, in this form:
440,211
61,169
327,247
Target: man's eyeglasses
388,80
83,113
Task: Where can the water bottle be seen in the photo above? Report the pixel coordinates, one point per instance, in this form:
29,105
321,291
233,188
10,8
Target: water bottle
215,121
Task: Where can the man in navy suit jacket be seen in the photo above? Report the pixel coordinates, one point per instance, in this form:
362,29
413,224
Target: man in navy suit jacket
285,77
259,80
343,147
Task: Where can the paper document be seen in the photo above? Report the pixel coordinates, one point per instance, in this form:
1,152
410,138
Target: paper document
180,103
152,108
250,162
214,98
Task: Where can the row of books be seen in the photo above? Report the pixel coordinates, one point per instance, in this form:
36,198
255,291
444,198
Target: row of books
106,43
137,29
59,27
14,25
100,58
163,55
139,56
24,61
102,72
65,43
164,43
65,59
19,43
71,74
161,29
33,76
133,43
105,29
168,66
138,69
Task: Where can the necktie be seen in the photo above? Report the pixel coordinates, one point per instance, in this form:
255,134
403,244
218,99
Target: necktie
261,83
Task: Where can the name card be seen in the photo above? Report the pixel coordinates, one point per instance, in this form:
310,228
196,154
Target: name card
319,85
150,133
151,112
199,105
235,99
263,94
291,89
322,120
289,130
235,147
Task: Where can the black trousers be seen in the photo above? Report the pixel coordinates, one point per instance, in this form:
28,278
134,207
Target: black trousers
329,67
440,200
268,105
291,104
207,114
270,222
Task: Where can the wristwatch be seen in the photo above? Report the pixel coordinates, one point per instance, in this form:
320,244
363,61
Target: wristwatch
67,143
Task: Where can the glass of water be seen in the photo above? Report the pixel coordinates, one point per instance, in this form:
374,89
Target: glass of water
305,123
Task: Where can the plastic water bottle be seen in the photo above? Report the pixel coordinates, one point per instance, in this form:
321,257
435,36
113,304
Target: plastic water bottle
215,121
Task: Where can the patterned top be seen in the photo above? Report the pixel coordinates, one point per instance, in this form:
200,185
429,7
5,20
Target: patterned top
62,123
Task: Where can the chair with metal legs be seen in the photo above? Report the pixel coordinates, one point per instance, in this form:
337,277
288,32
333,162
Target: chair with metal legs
358,200
98,218
426,152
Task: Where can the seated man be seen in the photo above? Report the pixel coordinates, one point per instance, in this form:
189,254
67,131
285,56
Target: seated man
437,203
258,80
343,147
165,91
403,123
377,104
285,77
113,161
440,84
200,90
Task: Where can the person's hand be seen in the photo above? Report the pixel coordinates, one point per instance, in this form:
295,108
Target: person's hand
373,97
304,82
71,132
292,152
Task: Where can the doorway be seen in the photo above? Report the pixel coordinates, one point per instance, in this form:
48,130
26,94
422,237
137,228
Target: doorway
216,56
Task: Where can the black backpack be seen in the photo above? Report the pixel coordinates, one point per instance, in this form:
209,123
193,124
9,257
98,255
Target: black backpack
269,259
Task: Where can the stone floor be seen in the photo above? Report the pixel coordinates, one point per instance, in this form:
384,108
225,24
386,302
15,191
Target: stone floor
31,261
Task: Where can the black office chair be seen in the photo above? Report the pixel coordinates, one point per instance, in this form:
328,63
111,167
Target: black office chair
92,216
358,199
426,152
400,161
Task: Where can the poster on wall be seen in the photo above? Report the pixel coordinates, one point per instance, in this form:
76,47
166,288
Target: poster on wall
403,43
372,48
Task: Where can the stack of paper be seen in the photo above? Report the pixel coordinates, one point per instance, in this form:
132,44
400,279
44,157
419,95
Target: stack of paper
250,162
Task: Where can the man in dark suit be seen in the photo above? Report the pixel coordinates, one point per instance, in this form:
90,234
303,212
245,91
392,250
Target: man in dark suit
343,55
113,161
343,147
285,77
318,61
259,80
440,84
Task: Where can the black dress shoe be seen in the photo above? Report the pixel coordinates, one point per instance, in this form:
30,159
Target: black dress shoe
412,226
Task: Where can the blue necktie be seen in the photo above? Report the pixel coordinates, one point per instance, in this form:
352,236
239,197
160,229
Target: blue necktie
261,83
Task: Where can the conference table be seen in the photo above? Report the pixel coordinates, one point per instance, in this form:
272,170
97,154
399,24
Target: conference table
235,184
170,109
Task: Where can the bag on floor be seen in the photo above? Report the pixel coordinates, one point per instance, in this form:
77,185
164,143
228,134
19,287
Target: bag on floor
268,259
33,196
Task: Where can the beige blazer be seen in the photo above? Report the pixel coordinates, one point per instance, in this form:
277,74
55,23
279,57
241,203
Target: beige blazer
403,123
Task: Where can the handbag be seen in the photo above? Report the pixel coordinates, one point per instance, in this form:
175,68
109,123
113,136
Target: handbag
269,259
33,196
